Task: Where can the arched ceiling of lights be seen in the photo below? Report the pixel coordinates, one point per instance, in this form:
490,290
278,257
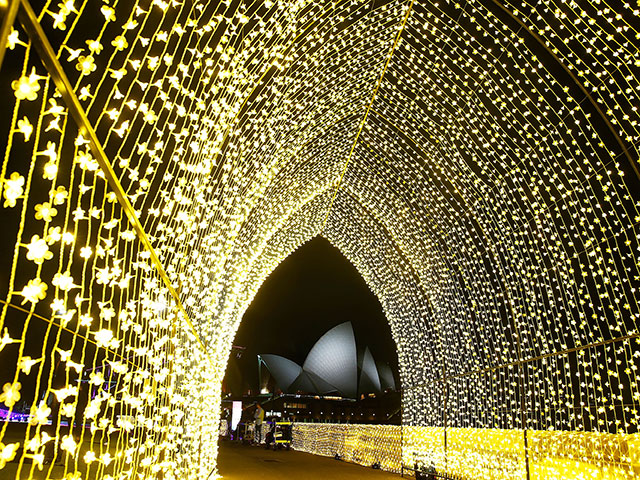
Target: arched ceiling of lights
476,161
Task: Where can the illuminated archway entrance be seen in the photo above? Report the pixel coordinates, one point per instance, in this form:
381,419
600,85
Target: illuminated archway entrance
476,162
312,291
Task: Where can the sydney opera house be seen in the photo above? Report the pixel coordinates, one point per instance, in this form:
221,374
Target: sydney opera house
475,160
334,366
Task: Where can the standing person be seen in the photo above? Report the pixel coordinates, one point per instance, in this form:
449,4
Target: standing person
226,418
258,418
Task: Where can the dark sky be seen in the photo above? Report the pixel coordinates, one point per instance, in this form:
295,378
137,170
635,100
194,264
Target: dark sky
310,292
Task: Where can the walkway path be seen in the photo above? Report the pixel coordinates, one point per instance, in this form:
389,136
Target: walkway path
238,462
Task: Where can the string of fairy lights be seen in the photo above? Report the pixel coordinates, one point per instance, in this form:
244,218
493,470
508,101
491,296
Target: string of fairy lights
476,161
368,445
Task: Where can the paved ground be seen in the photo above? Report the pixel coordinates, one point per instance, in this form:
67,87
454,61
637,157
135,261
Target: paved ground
238,462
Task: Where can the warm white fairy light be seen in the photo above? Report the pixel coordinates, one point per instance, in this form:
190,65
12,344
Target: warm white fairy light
363,444
439,146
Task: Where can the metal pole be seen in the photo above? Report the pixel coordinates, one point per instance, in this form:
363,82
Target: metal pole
259,374
445,418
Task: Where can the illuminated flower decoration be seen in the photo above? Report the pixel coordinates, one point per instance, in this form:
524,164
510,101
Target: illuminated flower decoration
54,109
122,129
26,363
86,161
120,42
85,93
37,441
96,378
109,13
54,125
76,367
34,445
67,317
111,223
79,214
86,64
128,235
44,436
58,305
103,337
25,128
59,195
106,312
44,211
64,354
131,25
64,393
123,283
68,444
73,53
113,114
144,184
13,189
152,64
51,151
64,281
38,250
50,170
92,410
89,457
27,87
10,394
106,459
34,291
14,39
95,46
85,320
68,409
67,7
38,459
6,339
150,116
40,414
119,367
118,74
59,20
7,453
54,235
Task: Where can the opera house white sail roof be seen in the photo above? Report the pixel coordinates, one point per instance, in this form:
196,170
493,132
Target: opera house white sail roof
332,366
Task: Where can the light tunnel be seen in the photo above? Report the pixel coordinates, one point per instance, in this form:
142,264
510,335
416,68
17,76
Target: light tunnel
476,161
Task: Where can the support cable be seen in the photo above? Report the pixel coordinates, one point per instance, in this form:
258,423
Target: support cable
366,113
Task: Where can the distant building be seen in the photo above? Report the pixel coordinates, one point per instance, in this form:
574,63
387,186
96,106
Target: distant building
383,408
335,366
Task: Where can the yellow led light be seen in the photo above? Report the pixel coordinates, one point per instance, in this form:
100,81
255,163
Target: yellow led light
476,162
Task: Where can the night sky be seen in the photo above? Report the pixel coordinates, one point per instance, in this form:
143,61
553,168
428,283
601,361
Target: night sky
310,292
